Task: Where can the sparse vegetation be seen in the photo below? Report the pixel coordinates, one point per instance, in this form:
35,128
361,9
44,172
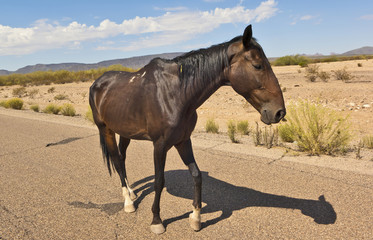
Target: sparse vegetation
61,97
268,137
68,110
232,131
35,108
51,90
316,129
19,92
368,141
89,115
14,103
343,75
324,76
359,64
211,126
52,109
292,60
312,72
57,77
32,93
243,127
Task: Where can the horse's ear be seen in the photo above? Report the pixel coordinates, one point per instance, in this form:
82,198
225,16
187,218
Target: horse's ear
247,35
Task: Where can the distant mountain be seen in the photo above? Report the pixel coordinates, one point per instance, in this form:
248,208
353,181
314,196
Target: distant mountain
4,72
360,51
133,62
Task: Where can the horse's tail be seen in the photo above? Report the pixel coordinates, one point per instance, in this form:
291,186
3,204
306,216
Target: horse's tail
105,152
101,127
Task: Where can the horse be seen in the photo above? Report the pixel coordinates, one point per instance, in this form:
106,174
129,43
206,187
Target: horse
159,102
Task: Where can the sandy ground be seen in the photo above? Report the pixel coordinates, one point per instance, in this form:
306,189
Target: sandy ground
353,98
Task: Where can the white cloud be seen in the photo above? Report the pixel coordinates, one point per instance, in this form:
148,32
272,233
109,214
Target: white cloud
167,29
307,17
367,17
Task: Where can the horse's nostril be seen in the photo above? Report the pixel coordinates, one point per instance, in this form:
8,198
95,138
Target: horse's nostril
280,115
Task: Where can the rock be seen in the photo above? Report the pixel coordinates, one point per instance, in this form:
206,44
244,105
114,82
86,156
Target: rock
351,104
366,106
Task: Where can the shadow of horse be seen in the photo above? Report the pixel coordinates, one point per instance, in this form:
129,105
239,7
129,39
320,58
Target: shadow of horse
221,196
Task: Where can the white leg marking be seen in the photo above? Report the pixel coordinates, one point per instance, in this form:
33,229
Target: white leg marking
195,219
128,203
131,80
143,74
131,192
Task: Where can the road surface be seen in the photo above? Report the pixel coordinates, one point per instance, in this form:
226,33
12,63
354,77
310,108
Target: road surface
55,185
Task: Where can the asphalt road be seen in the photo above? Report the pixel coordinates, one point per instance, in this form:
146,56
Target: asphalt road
54,185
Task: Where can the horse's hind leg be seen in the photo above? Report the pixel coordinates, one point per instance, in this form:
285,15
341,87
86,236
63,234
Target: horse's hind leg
117,158
186,153
128,193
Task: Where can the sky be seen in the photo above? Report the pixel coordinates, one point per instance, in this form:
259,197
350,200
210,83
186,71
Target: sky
90,31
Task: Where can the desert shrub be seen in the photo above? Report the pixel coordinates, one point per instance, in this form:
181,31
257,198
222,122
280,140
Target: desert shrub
312,72
19,92
51,89
342,74
316,129
15,103
68,110
232,131
324,76
359,64
368,141
292,60
243,127
211,126
286,133
52,109
61,97
32,93
89,115
3,104
35,108
268,137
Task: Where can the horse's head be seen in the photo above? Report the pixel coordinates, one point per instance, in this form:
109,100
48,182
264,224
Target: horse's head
251,76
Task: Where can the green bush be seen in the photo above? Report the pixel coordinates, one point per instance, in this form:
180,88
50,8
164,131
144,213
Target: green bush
232,131
52,109
211,126
57,77
14,103
3,104
68,110
292,60
316,129
243,127
35,108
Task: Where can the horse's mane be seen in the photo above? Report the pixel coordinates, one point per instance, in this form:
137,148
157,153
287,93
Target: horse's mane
200,67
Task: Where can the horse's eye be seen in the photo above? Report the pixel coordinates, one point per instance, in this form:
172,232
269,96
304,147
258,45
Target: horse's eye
257,67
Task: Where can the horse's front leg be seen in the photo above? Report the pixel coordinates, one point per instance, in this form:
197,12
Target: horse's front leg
186,153
159,164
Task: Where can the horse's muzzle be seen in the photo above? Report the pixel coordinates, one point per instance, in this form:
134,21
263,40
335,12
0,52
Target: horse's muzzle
268,117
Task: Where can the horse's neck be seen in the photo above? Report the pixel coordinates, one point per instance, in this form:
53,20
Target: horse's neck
196,96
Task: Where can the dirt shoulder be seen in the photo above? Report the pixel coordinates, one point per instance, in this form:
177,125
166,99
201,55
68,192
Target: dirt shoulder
221,143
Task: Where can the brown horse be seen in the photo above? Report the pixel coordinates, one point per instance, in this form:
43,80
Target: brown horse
159,103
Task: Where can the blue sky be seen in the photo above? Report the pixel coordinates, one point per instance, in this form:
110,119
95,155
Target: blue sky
89,31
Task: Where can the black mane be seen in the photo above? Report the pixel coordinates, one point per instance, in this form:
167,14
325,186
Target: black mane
200,67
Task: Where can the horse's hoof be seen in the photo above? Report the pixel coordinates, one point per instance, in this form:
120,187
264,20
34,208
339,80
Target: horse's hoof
195,224
157,228
129,208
